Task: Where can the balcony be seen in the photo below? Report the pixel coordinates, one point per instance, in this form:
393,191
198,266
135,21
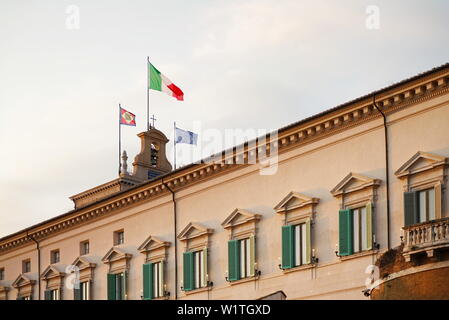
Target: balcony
426,237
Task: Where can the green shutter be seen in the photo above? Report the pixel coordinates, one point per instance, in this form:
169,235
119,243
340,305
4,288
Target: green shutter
189,281
205,271
288,246
47,295
252,256
369,226
111,286
147,281
308,243
233,260
346,246
77,293
411,205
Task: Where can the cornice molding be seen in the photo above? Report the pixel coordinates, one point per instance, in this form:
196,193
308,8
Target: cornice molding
296,135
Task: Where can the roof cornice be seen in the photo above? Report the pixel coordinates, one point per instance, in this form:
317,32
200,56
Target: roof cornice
409,92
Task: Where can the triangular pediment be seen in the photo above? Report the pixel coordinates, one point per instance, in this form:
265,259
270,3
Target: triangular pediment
353,182
115,254
420,161
22,280
239,216
52,271
152,243
193,230
83,262
294,200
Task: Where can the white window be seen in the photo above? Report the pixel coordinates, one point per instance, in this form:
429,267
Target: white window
245,258
426,205
27,298
158,279
54,294
359,229
85,290
300,244
199,276
119,286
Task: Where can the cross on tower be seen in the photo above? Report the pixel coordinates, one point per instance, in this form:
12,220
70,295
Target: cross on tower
153,118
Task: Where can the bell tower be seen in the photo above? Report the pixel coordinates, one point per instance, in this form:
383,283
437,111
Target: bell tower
152,160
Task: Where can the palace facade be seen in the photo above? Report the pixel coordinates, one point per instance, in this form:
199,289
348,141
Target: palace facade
355,206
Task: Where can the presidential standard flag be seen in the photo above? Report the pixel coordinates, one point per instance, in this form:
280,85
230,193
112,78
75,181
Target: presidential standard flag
183,136
161,83
127,118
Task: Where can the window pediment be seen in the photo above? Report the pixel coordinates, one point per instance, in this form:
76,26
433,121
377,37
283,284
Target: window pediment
23,280
52,271
238,217
153,243
354,182
421,161
194,230
295,200
116,254
83,263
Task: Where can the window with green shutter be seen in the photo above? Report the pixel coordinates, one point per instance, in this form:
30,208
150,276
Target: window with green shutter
233,260
188,266
111,286
411,205
345,232
148,281
288,246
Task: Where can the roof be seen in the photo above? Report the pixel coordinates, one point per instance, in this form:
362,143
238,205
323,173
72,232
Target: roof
385,90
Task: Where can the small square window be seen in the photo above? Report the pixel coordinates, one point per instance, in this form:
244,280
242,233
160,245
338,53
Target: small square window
26,266
54,256
2,273
84,247
119,237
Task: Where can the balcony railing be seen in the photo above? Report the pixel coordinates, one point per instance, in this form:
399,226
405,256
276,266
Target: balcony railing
426,236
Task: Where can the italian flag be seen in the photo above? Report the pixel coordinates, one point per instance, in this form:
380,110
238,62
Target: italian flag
160,82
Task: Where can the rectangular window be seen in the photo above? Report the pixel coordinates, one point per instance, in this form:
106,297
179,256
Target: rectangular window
157,280
300,244
245,258
119,237
26,266
84,247
198,269
85,290
426,205
52,294
54,256
119,286
359,225
2,273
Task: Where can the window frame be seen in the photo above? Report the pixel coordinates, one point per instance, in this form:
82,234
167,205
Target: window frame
426,193
119,237
25,263
55,254
83,250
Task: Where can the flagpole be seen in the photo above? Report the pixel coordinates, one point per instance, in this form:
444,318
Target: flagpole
174,142
119,139
148,93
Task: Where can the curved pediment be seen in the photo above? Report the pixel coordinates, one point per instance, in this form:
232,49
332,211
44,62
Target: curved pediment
239,216
294,200
354,182
421,161
193,230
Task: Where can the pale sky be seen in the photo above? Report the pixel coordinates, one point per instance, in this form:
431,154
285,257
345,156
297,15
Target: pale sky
241,64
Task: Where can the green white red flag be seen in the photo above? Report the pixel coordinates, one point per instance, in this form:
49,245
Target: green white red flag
159,82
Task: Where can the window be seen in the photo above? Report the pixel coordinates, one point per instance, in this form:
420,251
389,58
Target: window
241,258
117,286
195,269
426,205
84,247
153,280
355,230
119,237
52,294
2,273
83,292
419,206
26,266
54,256
296,245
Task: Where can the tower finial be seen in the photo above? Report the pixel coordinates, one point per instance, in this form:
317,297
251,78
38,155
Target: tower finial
124,162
